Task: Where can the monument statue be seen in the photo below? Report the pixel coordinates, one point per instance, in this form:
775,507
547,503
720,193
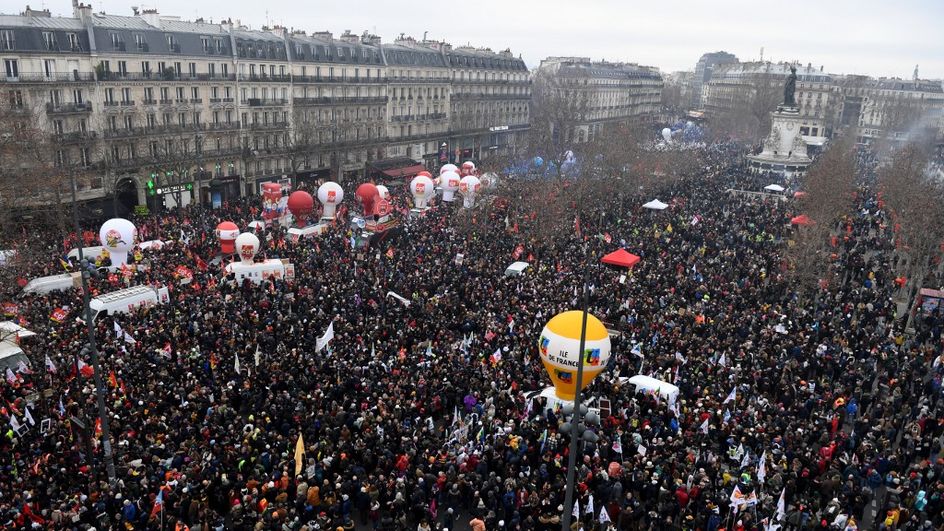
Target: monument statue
790,88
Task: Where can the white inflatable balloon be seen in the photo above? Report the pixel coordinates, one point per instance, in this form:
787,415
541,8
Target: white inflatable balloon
667,135
469,188
247,245
449,182
421,188
448,167
384,193
118,235
330,194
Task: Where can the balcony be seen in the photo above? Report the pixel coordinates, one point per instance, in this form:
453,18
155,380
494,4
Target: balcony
166,102
68,108
337,79
42,77
181,101
268,126
268,102
341,100
405,79
266,77
127,103
75,137
223,126
196,100
149,102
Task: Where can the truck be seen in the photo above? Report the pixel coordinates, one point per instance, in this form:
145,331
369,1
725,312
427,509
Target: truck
61,282
128,299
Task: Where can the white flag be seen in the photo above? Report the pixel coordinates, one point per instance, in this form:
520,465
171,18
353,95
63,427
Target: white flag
727,416
455,415
50,366
641,450
704,427
781,506
406,302
14,423
618,446
637,350
128,339
258,355
604,516
746,460
722,360
589,505
29,416
680,357
118,330
236,364
732,396
762,467
322,341
738,452
576,512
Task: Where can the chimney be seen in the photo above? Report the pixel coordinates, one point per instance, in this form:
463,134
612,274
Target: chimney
349,37
326,35
152,17
34,13
278,30
368,38
81,11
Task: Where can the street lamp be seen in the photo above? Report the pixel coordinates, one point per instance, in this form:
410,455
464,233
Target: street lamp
92,350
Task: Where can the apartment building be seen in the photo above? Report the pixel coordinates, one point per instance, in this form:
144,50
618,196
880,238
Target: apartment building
154,109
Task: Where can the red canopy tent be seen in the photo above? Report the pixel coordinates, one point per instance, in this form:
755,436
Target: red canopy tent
799,195
621,258
802,220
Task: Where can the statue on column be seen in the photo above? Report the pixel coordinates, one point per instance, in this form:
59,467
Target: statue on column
790,88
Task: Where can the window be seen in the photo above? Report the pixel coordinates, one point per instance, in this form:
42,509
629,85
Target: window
77,95
57,127
73,41
139,41
123,68
177,68
146,68
49,40
180,93
165,93
49,67
12,68
112,123
86,155
148,93
115,39
194,93
60,158
129,122
211,68
109,95
151,121
224,69
205,41
182,119
193,69
196,118
219,45
16,99
126,95
7,41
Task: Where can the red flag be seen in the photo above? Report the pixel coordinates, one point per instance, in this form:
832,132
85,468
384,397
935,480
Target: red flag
85,369
607,238
390,252
58,315
577,224
201,264
98,427
518,250
112,379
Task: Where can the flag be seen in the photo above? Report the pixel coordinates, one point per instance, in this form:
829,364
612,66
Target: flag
58,315
166,351
762,467
577,225
781,506
704,427
732,396
112,379
604,516
576,511
299,454
518,251
118,329
455,415
158,502
680,357
589,509
23,368
390,252
618,446
85,369
489,335
11,378
322,341
727,416
64,264
236,364
62,408
14,423
543,440
496,356
607,238
637,350
258,355
29,416
50,366
746,460
721,360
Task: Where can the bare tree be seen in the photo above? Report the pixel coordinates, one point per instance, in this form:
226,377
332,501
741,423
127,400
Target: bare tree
559,109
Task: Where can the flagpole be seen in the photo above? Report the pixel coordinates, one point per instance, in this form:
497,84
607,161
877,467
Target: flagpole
575,421
93,351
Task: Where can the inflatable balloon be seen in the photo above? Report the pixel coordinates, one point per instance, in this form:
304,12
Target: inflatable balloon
300,204
448,167
118,236
449,182
247,245
468,167
538,161
469,188
490,180
330,194
421,188
424,173
227,233
368,195
667,135
384,193
559,347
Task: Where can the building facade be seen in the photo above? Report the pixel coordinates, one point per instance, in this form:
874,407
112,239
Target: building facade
703,71
613,92
154,109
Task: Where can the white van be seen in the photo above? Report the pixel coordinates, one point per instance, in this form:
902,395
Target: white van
128,299
258,271
89,253
59,282
516,269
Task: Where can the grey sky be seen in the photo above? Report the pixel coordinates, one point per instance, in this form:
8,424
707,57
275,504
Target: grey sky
876,37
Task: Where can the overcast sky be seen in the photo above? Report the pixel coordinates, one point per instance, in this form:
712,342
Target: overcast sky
876,37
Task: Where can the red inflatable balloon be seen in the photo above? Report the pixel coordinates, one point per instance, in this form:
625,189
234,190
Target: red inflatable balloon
227,233
300,204
368,195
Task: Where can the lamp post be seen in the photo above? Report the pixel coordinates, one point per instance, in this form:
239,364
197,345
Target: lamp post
575,423
92,350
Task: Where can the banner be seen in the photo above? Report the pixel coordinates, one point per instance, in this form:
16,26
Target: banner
10,309
59,315
740,500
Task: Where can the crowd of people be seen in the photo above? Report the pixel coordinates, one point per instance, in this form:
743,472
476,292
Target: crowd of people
224,414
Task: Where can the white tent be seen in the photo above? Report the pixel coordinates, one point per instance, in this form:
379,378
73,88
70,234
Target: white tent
10,352
655,204
647,383
774,188
516,268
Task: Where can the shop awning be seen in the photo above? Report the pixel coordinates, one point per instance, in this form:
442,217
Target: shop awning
408,171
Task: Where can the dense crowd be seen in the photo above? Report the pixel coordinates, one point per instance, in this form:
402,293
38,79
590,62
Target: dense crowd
409,422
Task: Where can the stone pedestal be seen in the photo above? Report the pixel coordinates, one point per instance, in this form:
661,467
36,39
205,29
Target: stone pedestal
784,155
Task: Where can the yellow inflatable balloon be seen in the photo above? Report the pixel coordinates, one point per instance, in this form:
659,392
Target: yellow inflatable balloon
560,345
